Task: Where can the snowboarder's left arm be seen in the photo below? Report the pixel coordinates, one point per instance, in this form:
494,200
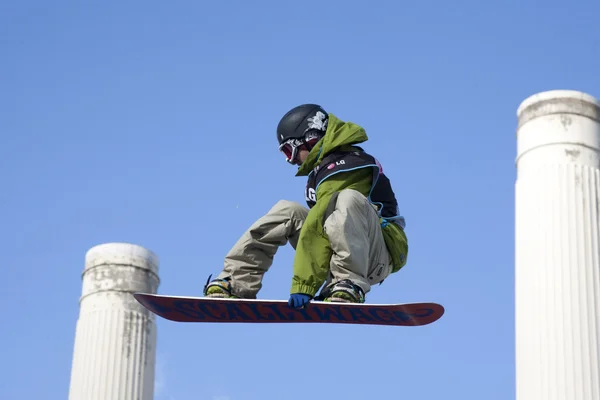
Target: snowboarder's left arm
313,252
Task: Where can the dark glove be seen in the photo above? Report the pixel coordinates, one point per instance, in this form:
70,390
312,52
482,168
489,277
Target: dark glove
298,300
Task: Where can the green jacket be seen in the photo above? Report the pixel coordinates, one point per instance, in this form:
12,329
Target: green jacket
313,252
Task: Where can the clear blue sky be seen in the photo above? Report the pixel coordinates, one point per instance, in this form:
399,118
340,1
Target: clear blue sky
153,123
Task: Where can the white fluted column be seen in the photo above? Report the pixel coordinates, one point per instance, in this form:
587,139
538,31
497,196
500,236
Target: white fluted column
557,264
115,340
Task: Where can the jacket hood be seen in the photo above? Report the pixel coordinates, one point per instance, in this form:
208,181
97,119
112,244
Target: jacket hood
338,134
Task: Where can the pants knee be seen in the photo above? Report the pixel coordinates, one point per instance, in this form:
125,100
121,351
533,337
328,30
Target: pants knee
349,198
289,208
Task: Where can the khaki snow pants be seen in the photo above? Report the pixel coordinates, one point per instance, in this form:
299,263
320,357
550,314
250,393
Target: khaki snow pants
359,250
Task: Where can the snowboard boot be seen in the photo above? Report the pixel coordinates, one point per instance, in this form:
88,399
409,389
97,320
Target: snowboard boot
218,288
343,292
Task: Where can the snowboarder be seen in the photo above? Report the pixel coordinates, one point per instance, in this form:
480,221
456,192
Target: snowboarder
350,237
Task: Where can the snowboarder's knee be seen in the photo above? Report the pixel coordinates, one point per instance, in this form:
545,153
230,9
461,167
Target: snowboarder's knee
348,198
289,207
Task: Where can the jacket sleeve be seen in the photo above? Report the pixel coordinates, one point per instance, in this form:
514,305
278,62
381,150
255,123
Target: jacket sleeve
313,252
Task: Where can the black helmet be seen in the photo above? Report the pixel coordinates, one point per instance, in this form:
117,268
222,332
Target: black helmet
301,127
300,120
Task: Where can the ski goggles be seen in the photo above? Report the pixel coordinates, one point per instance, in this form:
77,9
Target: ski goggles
290,149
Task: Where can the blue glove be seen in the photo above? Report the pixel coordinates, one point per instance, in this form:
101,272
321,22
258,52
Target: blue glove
298,300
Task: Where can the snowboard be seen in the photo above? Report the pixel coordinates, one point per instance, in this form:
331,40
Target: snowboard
202,309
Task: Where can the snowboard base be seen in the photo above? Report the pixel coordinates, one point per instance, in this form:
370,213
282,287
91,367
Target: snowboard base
202,309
